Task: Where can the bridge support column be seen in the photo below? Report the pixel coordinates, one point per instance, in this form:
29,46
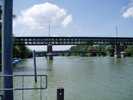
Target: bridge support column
49,52
123,47
119,51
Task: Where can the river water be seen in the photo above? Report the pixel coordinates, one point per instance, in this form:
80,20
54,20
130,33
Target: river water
83,78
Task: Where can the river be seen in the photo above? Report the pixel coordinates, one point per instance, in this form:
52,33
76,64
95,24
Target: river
83,78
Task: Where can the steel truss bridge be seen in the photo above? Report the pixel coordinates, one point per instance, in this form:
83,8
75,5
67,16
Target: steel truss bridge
73,40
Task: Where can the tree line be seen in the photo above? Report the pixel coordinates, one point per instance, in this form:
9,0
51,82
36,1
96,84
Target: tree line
98,50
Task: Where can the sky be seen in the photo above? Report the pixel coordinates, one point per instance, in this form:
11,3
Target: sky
73,18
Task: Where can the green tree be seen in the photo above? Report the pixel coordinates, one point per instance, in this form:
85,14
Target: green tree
21,51
129,51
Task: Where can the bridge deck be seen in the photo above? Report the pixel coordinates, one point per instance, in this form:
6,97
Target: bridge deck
72,40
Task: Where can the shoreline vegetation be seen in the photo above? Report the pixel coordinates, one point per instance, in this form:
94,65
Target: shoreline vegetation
98,50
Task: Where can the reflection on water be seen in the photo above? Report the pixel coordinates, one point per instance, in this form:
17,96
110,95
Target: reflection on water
83,78
49,65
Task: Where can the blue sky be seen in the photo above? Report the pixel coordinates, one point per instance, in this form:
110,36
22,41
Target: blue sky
89,17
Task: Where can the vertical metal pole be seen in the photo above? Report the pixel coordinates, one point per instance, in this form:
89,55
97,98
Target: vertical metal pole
35,70
117,46
60,94
7,49
40,87
0,36
22,87
46,81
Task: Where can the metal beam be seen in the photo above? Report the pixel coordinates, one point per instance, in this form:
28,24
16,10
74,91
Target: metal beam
72,40
7,49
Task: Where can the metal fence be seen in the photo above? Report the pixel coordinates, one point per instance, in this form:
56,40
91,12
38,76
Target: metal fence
24,83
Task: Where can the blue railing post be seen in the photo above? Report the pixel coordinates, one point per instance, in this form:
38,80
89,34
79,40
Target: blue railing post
7,49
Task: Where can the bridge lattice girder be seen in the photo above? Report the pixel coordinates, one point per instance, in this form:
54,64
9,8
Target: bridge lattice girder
72,40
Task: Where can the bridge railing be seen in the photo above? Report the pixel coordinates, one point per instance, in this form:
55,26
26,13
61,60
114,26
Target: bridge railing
24,84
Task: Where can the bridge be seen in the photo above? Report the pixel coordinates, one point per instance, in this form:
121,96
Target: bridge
72,40
118,43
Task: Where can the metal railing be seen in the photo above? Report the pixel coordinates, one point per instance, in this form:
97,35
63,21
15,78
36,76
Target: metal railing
1,97
26,83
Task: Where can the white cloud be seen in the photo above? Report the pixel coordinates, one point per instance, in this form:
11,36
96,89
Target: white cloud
67,20
38,17
128,12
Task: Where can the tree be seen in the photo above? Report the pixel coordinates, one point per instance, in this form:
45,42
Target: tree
129,51
21,51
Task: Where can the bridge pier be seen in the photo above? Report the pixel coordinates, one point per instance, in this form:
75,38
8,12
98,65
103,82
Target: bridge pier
49,52
123,47
119,51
